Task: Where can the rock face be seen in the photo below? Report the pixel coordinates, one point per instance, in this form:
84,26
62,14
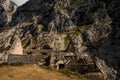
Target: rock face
91,25
7,8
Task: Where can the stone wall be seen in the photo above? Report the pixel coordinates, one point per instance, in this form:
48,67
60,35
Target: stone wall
27,59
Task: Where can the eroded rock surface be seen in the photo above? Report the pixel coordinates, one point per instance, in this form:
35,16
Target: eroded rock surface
91,25
7,8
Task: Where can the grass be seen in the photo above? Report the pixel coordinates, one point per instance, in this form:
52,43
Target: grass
33,72
72,74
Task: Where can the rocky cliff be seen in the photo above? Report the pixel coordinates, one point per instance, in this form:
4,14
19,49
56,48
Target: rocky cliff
91,25
7,8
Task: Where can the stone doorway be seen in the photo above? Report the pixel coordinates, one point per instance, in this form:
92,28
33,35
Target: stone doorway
61,66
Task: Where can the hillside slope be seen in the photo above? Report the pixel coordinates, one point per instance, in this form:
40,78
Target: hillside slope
32,72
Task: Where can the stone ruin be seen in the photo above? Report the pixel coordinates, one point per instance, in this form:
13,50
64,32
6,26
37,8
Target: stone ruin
66,59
